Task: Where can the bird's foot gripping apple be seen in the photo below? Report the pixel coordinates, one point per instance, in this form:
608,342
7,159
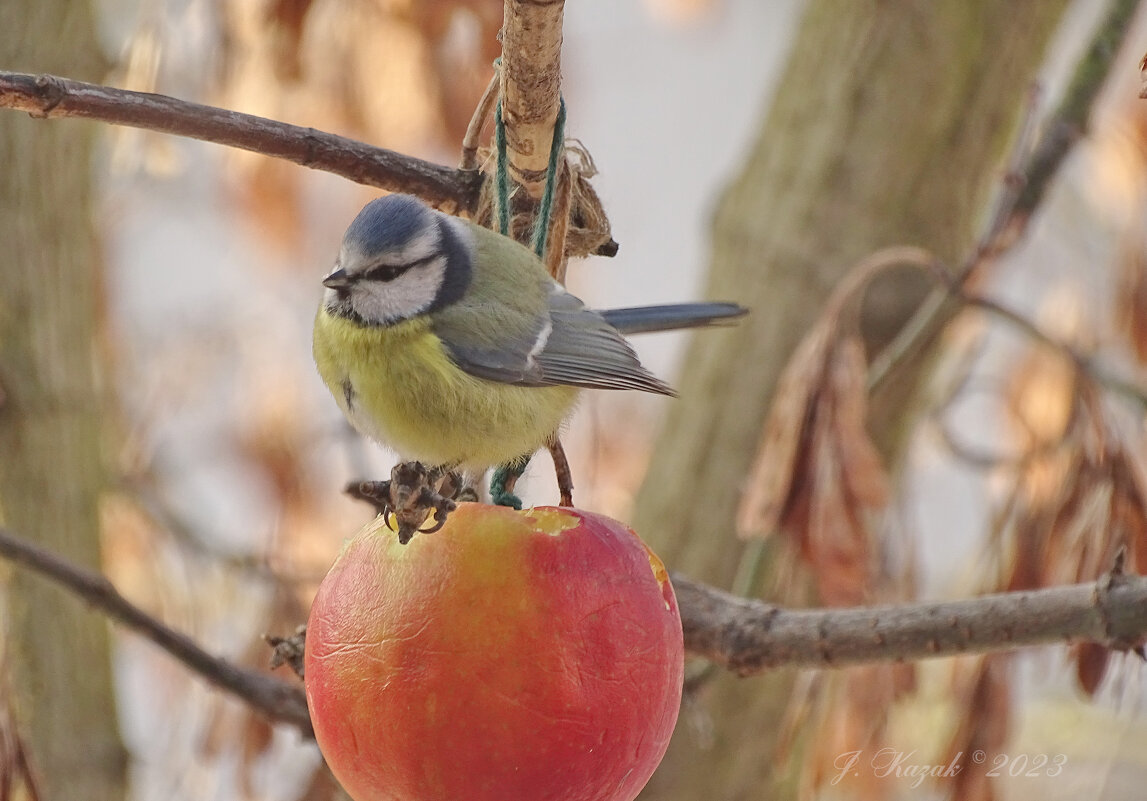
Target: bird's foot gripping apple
412,493
531,655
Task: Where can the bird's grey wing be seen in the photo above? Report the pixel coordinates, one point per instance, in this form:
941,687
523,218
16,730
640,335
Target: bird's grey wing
572,345
509,361
584,350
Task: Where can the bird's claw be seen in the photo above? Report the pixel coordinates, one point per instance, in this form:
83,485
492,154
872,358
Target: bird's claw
411,494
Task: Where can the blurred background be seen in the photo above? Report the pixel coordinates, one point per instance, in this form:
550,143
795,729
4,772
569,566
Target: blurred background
223,457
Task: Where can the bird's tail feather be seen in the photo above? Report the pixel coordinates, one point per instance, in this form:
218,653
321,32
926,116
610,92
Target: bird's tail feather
645,319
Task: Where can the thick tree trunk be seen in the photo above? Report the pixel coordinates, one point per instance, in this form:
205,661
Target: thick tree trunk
55,651
887,128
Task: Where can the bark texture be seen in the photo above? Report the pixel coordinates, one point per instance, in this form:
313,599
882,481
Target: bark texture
531,87
56,652
888,127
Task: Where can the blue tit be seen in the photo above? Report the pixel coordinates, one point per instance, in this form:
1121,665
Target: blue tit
453,345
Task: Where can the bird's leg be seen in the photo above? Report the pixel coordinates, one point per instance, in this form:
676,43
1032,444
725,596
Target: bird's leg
409,496
467,494
451,483
562,470
503,481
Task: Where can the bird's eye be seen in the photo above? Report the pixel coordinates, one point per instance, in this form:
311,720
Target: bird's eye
385,272
388,272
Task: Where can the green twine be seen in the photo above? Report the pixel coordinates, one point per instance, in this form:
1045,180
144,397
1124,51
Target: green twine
542,223
502,179
501,173
511,471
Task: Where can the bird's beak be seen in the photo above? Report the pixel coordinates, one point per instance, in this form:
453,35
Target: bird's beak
337,280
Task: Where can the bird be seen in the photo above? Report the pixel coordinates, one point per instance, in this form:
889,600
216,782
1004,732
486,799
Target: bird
452,345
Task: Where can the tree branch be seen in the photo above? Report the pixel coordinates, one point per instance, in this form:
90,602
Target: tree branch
748,636
744,635
274,697
49,96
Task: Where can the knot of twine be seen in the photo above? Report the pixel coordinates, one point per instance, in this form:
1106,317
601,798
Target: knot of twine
575,223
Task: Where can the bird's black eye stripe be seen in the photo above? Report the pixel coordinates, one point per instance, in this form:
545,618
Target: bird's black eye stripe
388,272
385,272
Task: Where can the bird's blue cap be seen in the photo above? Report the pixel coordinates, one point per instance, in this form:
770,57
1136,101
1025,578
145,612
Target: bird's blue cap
386,223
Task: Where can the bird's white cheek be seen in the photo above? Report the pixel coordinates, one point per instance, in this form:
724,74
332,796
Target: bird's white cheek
406,296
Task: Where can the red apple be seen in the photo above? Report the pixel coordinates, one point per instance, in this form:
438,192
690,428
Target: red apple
511,656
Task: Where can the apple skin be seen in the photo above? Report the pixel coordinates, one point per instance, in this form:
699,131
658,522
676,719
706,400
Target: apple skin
528,655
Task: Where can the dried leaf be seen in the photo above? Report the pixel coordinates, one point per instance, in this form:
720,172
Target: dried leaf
984,697
835,543
865,479
819,477
772,483
1028,560
1091,660
1129,508
285,21
1131,295
1069,530
904,679
1082,531
1054,533
233,728
463,40
806,690
1041,398
852,716
17,780
271,199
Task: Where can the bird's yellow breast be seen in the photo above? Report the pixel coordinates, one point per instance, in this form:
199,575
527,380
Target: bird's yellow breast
397,385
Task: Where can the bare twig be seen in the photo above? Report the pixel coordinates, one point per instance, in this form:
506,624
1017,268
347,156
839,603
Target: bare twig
1071,120
277,699
747,636
469,158
49,96
290,651
744,635
1128,389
